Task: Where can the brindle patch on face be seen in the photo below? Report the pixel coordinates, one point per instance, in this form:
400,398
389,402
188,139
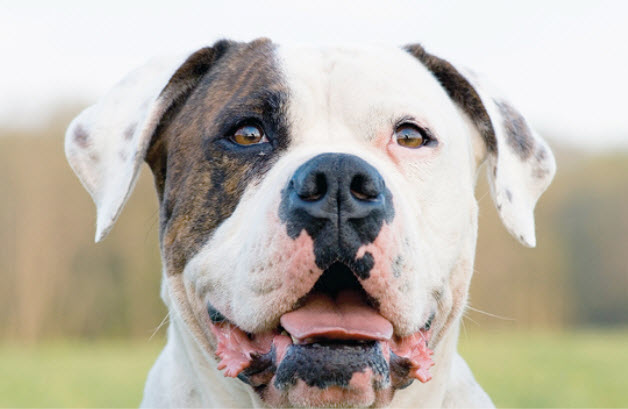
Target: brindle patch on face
200,174
519,135
460,91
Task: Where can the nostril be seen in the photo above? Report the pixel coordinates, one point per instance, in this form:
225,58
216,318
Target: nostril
314,188
364,188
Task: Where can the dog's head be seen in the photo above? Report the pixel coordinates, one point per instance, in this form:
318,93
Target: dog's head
317,212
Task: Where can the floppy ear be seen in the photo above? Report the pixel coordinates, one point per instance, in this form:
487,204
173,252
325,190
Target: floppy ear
520,163
107,142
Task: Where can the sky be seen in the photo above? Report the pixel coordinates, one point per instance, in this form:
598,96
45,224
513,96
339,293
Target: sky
564,64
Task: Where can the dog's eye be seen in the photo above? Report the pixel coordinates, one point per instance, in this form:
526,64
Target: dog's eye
249,135
411,136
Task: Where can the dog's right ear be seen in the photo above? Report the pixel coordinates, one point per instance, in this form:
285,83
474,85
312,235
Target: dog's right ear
521,164
107,142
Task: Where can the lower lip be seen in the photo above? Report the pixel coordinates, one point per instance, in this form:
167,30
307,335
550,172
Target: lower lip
236,350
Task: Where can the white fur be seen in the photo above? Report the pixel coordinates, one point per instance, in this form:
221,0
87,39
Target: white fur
109,165
341,100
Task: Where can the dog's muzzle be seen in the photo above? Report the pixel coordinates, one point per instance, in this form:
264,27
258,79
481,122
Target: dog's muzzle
334,346
342,202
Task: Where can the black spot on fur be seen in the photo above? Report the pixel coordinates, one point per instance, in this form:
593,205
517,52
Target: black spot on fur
323,365
460,91
396,266
540,172
540,169
509,195
362,266
261,370
342,203
128,133
540,154
518,133
81,137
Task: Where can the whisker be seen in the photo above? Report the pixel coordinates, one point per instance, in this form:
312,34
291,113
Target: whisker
483,196
465,316
153,222
489,314
464,328
161,324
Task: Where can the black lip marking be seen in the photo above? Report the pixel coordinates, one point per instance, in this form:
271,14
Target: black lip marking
325,365
399,371
261,370
342,202
333,364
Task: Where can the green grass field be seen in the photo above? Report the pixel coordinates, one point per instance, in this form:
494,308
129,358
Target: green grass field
570,370
520,369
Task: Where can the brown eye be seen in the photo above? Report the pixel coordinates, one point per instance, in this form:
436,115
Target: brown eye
249,135
410,136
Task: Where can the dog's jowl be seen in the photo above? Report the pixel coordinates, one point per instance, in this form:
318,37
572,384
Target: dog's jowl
317,217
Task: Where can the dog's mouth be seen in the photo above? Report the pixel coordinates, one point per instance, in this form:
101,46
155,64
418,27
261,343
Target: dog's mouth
334,347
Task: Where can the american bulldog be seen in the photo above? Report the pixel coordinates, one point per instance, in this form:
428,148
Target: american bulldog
317,217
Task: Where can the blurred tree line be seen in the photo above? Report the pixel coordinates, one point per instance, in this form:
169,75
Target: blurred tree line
55,282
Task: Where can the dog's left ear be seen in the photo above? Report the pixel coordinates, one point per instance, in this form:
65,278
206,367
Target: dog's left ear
520,163
107,142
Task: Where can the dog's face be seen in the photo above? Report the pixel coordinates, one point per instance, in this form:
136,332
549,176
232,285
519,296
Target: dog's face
317,210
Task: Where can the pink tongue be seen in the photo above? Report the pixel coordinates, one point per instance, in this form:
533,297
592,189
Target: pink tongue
346,317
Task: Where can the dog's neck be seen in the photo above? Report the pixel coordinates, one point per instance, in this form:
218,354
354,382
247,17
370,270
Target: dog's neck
194,379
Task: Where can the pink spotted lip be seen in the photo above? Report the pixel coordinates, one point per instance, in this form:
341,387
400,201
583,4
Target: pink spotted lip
344,317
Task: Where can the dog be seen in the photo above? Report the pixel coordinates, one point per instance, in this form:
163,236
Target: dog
317,217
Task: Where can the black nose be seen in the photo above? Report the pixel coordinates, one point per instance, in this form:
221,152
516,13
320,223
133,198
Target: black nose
334,184
339,196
